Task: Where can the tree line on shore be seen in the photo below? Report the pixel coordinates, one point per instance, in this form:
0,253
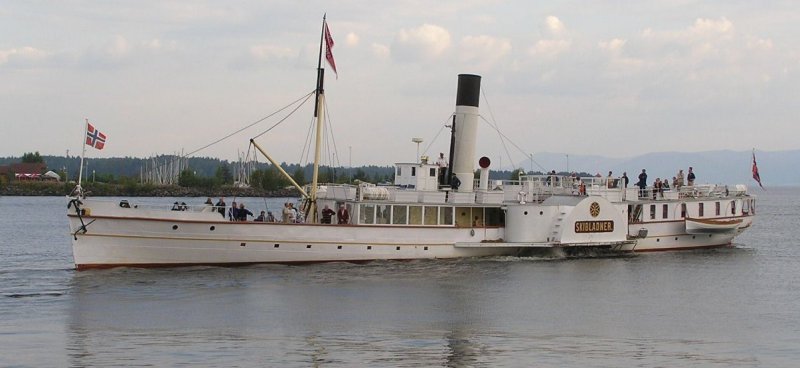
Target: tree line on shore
204,176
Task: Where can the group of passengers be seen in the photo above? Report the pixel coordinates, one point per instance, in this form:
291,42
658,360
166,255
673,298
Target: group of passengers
659,186
289,214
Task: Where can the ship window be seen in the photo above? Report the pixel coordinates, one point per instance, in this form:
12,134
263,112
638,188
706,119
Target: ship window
733,207
413,171
399,171
652,212
446,215
382,214
700,210
664,211
431,215
494,217
399,215
716,207
683,210
414,215
367,214
433,172
635,213
746,206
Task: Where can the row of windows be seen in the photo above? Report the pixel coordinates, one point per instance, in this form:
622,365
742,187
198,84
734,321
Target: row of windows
700,209
405,215
431,171
399,214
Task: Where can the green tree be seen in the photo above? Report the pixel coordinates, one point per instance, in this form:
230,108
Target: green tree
223,174
187,179
516,173
299,176
32,158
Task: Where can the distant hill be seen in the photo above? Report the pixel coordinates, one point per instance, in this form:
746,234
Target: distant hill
730,167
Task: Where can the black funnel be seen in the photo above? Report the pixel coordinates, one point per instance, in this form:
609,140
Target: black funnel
469,90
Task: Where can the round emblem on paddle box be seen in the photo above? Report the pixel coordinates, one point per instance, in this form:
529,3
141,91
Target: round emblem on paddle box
594,209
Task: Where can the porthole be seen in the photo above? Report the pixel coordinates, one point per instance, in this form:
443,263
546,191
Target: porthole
525,213
541,213
243,244
308,246
693,236
174,227
277,245
212,228
426,248
339,247
658,240
369,247
398,248
676,238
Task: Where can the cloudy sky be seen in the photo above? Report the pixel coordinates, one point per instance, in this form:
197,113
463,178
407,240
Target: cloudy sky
614,78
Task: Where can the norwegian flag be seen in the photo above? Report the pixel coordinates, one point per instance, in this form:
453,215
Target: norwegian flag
756,176
329,50
94,138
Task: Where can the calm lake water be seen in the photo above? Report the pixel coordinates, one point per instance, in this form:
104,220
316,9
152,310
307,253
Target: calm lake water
730,307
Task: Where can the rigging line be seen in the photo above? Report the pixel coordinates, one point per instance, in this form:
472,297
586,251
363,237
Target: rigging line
306,97
512,143
494,123
307,143
333,137
282,120
437,134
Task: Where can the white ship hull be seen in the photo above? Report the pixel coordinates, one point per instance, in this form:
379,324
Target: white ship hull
112,240
672,235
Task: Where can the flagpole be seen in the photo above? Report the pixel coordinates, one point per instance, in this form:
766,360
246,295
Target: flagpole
83,153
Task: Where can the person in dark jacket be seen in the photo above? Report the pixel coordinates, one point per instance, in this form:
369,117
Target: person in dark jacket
327,213
642,184
220,206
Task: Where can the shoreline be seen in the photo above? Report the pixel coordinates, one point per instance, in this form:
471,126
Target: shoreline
43,189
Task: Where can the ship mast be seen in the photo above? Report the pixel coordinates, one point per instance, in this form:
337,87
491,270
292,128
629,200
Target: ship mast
319,113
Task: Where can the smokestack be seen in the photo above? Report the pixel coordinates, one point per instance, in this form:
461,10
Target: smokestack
466,128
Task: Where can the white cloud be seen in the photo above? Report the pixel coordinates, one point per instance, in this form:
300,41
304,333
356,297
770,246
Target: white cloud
555,42
550,48
118,48
23,56
426,42
553,26
484,51
351,39
381,51
271,52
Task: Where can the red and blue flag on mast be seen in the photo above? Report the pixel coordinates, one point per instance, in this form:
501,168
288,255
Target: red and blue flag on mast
94,138
756,176
329,49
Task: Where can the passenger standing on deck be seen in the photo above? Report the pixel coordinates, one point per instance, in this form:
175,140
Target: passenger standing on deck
221,206
285,213
442,163
209,202
327,213
261,217
690,177
233,212
642,184
625,179
343,216
243,213
292,213
610,180
657,188
680,179
270,217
